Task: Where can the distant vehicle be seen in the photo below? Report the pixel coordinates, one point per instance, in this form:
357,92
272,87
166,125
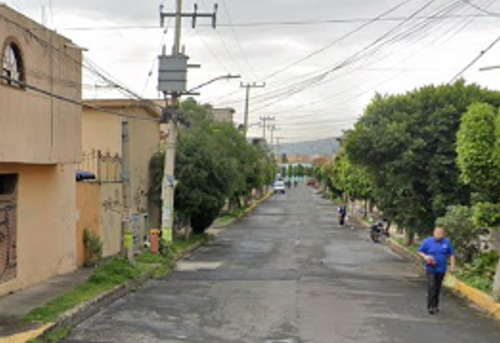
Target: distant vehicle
279,187
312,182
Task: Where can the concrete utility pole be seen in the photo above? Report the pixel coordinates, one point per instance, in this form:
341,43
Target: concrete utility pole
172,81
272,128
248,87
127,234
264,121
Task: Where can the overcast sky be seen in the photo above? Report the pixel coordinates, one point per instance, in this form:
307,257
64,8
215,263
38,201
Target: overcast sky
261,39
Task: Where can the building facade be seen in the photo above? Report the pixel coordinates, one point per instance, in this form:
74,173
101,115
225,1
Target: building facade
103,146
40,146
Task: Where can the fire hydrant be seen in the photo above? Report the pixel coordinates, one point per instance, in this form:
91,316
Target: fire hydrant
154,238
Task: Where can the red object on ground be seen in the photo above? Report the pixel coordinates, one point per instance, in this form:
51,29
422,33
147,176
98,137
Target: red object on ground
154,239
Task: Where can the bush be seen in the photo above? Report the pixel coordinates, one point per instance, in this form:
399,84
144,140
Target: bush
465,235
481,271
93,248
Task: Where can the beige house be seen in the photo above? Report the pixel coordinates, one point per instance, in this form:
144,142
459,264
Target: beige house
103,146
39,148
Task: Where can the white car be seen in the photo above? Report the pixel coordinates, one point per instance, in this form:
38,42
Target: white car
279,187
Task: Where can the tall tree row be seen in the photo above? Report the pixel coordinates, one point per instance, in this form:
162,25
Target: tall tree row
214,164
429,153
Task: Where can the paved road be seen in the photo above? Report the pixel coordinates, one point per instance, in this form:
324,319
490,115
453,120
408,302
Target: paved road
287,274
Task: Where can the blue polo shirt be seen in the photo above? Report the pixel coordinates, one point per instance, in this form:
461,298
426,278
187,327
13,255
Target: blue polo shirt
440,251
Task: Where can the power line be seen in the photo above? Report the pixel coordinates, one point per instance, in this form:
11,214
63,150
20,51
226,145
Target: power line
470,64
481,9
337,40
407,58
238,42
50,94
267,24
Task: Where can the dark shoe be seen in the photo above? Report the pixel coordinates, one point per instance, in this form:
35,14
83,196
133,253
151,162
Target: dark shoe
432,311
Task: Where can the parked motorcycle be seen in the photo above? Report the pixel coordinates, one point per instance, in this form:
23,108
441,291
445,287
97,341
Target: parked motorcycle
379,231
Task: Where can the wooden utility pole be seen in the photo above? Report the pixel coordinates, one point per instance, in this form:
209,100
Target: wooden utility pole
248,87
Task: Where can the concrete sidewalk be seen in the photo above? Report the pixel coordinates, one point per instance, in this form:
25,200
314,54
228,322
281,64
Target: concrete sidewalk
15,306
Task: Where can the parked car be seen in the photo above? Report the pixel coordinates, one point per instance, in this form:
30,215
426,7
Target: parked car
279,187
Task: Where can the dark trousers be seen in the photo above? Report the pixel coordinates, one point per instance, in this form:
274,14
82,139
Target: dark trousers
434,283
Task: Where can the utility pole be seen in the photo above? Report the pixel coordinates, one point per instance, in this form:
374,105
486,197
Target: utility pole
127,234
248,87
264,121
173,82
272,128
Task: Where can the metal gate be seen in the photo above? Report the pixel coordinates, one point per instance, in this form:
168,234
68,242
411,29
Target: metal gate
8,254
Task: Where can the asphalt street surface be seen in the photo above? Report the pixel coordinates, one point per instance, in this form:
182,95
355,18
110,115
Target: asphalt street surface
288,274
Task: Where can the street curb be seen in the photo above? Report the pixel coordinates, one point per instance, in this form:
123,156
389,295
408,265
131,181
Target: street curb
479,298
87,309
245,213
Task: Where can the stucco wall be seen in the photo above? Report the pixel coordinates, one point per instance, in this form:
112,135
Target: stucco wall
36,128
111,212
101,131
88,214
46,225
144,142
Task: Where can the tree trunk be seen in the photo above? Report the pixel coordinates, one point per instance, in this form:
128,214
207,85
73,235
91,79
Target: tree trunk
496,280
409,237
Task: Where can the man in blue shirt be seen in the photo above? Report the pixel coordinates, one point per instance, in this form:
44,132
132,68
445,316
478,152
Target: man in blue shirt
436,251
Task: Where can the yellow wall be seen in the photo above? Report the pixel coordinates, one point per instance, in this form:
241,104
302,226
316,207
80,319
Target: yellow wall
35,128
144,143
111,212
101,131
46,226
88,214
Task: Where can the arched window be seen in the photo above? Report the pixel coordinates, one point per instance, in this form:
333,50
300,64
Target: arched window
12,65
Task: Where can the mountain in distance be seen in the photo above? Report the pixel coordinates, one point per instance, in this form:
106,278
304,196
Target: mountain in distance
326,146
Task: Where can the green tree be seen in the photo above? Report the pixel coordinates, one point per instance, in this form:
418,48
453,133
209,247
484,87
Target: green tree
407,143
463,232
476,145
478,149
213,163
353,180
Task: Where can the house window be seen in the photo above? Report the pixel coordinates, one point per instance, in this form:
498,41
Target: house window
8,184
12,65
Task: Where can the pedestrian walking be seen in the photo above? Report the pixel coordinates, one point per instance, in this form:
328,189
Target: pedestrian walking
436,251
342,214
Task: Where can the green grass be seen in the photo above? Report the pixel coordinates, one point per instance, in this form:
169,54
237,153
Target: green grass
230,217
149,257
115,272
107,276
52,336
179,246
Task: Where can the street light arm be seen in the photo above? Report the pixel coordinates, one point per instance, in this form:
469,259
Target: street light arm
223,77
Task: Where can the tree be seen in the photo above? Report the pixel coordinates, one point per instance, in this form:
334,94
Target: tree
353,180
463,231
407,144
476,145
213,163
478,150
488,215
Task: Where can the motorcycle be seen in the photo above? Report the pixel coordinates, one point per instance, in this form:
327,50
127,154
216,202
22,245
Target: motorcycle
379,231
